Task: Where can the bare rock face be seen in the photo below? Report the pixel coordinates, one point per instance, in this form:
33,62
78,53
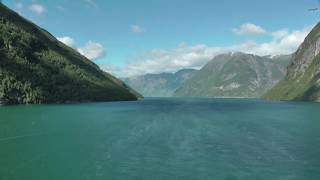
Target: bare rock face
302,81
304,56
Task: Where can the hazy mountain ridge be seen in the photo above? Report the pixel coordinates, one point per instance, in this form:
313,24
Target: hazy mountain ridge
235,75
302,81
159,85
36,68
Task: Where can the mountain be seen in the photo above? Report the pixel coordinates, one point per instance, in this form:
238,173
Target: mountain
235,75
302,81
36,68
159,85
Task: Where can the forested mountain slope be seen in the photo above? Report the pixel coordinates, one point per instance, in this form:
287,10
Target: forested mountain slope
36,68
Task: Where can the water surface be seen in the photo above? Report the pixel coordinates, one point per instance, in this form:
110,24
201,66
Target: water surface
161,139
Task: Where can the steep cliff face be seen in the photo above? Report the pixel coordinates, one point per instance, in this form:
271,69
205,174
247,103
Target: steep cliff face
305,55
36,68
303,75
235,75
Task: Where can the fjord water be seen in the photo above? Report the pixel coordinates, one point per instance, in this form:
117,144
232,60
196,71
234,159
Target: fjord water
205,139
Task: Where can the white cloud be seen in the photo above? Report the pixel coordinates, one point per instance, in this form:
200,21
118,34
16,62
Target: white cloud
185,56
91,3
37,8
137,29
67,41
249,29
284,42
160,60
93,50
280,33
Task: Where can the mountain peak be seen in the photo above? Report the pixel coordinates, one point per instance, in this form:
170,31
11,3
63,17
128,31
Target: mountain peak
234,75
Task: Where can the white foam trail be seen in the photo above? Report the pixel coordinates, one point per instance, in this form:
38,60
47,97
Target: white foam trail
19,137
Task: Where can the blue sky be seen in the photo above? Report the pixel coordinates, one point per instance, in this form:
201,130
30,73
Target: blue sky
150,36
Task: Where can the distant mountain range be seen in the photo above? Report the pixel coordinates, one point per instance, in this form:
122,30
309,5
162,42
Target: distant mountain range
227,75
159,85
36,68
283,77
235,75
302,81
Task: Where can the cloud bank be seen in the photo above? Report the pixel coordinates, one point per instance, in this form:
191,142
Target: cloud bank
282,41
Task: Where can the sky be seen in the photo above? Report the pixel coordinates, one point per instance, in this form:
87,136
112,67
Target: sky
134,37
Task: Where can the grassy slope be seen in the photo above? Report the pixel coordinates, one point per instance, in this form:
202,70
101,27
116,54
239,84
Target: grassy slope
36,68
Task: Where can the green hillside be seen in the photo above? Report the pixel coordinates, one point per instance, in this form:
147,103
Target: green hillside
36,68
302,81
235,75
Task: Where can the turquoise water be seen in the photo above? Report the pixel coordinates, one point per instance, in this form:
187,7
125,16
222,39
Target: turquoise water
161,139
